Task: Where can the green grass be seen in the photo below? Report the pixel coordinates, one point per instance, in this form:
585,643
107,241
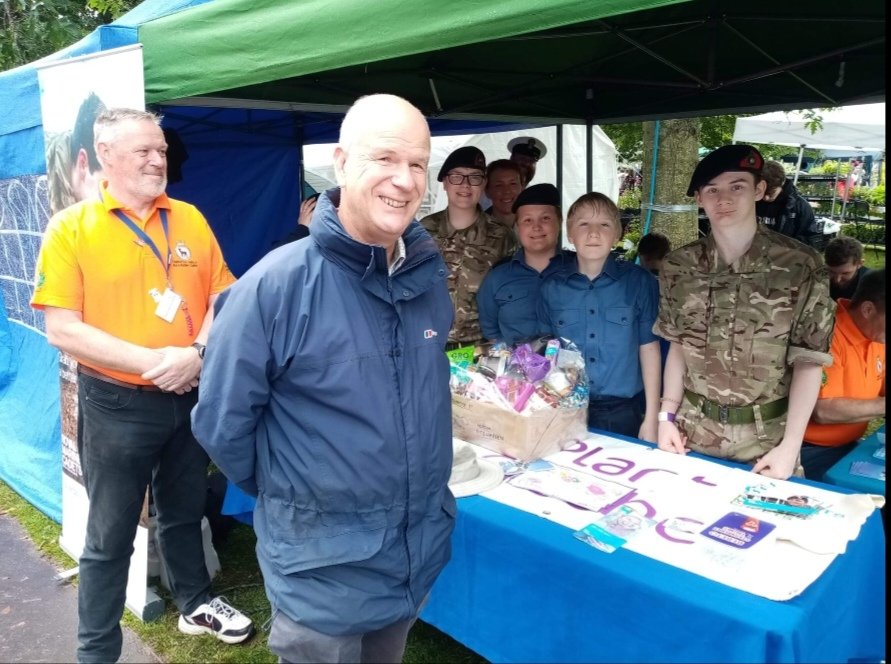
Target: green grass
874,256
240,581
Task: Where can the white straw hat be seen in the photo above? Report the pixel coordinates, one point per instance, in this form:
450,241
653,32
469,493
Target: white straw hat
470,474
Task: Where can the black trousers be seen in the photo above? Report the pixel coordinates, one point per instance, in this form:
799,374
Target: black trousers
618,414
818,459
126,439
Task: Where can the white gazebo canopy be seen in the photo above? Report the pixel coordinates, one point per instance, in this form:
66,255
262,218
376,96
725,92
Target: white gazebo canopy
858,128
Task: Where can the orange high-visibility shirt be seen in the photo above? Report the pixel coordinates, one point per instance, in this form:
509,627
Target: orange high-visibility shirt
92,262
857,372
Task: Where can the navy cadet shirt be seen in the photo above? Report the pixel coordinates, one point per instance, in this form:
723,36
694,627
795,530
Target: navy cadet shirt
608,318
508,297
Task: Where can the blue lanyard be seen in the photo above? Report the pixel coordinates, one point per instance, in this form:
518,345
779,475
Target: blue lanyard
142,235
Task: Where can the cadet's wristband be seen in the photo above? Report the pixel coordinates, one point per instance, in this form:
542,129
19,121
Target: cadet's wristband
665,416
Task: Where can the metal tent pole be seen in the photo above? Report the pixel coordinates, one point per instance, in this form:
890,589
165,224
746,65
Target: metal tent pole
589,153
835,189
798,165
560,160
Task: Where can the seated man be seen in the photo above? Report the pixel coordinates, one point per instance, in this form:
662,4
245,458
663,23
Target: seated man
853,388
844,258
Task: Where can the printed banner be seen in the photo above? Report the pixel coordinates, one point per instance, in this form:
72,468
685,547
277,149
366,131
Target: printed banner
768,537
72,93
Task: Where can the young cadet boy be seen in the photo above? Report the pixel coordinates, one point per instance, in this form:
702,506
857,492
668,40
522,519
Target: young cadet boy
508,297
607,309
749,318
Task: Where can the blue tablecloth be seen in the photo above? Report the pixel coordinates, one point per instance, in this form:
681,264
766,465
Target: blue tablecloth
520,588
840,473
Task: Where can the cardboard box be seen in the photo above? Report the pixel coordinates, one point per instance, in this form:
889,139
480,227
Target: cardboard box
523,437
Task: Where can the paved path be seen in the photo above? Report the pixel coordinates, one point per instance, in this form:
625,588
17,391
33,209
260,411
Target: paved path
38,616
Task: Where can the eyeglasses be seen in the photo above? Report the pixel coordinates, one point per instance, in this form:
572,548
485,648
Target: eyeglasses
475,179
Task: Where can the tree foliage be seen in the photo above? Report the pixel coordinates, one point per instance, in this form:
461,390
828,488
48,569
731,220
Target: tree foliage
715,131
113,8
32,29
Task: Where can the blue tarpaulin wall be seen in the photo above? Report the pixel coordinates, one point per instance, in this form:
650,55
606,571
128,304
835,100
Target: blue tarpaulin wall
243,169
30,426
242,172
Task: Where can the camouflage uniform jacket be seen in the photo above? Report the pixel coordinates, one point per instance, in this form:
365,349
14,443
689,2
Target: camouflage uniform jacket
468,253
742,327
514,236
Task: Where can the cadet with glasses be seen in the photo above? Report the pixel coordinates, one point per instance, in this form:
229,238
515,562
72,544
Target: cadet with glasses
471,241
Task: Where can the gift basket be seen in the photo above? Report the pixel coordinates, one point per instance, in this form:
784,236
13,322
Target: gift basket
525,401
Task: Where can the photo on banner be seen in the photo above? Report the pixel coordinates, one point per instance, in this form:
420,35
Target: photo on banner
72,94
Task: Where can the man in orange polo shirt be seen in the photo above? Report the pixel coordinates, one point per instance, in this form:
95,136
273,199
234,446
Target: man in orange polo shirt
127,284
853,389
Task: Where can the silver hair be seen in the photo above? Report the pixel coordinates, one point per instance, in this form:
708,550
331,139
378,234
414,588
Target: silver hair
108,122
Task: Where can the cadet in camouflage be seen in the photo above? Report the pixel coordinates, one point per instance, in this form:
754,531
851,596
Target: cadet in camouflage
749,318
469,254
470,241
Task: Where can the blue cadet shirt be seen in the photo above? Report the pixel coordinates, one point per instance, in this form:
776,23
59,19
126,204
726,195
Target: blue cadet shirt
608,319
508,297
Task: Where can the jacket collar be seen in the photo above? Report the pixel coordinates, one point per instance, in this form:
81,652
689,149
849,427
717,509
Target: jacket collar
364,260
611,269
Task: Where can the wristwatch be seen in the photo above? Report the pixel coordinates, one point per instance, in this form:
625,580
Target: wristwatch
200,348
665,416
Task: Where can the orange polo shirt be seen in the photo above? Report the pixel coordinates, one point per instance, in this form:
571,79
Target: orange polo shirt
92,262
857,372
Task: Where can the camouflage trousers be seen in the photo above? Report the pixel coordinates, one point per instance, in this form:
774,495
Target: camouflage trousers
744,443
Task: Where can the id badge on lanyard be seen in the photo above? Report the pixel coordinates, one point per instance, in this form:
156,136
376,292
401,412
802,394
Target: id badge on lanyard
168,302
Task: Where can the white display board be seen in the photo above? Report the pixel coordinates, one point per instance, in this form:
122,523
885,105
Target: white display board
116,78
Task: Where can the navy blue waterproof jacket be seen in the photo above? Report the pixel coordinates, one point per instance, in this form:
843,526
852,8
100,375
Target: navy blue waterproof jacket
325,393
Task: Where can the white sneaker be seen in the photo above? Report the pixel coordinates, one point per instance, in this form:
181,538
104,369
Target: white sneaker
226,623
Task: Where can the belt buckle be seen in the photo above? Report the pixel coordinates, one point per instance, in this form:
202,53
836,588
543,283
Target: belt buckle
723,414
